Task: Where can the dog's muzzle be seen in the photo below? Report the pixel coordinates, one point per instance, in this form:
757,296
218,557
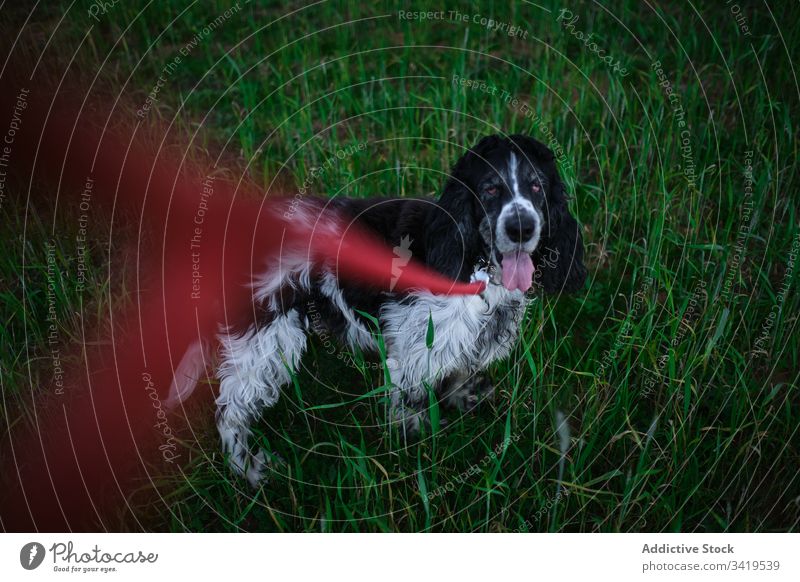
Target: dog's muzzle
520,227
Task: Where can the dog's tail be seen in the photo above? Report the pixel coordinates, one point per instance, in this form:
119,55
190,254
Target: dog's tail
189,372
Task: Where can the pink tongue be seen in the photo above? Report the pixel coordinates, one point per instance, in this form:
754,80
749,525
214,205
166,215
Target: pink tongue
517,271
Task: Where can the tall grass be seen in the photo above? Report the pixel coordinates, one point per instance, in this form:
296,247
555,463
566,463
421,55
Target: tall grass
675,369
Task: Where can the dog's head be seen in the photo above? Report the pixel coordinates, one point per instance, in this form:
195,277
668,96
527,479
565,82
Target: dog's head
505,203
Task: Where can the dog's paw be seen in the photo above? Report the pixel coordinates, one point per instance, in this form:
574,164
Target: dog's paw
256,474
408,421
470,394
253,467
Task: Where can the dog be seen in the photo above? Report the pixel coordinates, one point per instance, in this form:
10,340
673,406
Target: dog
502,218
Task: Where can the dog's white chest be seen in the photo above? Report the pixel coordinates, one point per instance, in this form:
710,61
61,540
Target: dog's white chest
469,332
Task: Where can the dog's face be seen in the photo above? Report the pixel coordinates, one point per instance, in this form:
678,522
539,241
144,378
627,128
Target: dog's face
506,203
510,188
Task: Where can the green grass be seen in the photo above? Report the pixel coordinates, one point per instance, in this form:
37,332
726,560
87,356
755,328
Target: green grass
674,420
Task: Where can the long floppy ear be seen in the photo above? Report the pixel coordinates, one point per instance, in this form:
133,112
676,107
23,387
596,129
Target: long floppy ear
452,238
451,232
559,256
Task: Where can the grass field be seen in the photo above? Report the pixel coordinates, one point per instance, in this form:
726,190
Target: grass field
663,397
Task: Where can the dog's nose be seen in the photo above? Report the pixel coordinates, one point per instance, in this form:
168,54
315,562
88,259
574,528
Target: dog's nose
520,226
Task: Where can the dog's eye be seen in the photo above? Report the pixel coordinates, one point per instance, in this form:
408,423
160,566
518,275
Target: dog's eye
536,188
491,190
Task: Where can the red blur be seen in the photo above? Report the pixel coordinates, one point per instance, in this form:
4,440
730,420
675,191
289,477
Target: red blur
81,457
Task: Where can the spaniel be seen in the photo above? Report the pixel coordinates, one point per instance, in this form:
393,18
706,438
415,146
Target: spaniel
502,219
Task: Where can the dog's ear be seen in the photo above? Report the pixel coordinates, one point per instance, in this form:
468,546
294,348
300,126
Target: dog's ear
452,240
559,256
451,237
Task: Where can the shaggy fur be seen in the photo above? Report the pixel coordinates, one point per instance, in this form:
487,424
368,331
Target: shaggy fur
502,218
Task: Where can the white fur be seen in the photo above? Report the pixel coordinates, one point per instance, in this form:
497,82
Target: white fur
465,338
357,334
252,371
512,169
293,266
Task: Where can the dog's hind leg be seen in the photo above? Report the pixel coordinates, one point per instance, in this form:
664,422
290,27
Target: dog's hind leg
252,370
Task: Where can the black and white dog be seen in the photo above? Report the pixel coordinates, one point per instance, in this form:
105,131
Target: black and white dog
502,218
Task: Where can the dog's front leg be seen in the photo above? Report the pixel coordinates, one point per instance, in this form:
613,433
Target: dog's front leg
427,340
465,391
408,411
